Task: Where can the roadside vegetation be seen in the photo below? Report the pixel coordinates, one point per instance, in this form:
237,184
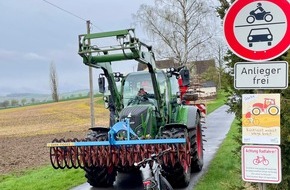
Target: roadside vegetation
42,178
224,170
218,102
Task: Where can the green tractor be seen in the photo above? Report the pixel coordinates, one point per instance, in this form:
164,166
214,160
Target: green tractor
149,102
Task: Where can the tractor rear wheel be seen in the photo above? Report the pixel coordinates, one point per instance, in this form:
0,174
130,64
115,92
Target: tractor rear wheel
100,176
196,146
178,174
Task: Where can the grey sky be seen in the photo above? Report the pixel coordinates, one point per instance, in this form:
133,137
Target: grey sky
34,34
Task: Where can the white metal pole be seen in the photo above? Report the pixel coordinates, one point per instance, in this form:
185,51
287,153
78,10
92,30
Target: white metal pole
91,83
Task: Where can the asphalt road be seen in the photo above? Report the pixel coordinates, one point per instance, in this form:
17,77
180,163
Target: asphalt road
218,124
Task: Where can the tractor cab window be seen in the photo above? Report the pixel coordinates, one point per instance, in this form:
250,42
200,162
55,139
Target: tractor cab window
135,84
140,83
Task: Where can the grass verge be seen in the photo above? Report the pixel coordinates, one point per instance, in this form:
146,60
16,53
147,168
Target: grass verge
218,102
43,178
224,170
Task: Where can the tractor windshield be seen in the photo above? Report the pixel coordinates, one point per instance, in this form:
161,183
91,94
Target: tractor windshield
141,81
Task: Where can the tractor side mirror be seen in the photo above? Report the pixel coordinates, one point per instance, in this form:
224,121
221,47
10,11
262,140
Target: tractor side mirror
184,73
101,82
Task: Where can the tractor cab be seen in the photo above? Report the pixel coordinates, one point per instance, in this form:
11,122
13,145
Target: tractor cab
138,89
140,101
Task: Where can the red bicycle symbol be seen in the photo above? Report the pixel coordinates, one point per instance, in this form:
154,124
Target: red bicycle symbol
261,159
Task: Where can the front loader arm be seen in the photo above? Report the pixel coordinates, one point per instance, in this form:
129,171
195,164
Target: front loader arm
129,48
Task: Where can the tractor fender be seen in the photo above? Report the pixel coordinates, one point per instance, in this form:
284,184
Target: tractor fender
186,117
191,116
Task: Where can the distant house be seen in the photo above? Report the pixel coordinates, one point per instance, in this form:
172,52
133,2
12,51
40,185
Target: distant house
161,64
202,66
207,87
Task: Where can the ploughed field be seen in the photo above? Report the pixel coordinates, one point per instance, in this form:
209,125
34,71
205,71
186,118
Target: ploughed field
25,131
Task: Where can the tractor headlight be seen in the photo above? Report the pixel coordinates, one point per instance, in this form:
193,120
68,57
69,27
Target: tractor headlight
106,102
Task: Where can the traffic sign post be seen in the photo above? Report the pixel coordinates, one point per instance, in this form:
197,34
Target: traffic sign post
265,75
258,30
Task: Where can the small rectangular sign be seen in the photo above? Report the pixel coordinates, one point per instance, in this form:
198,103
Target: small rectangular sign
261,164
261,118
264,75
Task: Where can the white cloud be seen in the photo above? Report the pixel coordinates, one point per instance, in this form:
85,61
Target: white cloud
7,56
6,53
33,56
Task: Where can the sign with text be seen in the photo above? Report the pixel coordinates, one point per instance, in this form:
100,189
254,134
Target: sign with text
261,164
265,75
261,118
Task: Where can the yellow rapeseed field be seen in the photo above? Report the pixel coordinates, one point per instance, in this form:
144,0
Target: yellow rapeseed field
51,118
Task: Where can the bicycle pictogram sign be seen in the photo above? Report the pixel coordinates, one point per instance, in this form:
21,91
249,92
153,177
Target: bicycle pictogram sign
261,159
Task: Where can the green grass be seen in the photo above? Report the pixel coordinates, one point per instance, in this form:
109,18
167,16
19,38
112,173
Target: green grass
218,102
223,172
43,178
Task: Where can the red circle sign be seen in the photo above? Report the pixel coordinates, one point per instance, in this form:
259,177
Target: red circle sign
258,30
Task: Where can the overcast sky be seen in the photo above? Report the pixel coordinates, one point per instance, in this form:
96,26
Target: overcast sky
35,33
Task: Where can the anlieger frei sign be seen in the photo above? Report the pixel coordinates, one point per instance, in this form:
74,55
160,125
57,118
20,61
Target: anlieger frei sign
263,75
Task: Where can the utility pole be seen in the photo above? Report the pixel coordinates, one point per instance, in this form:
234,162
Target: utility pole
91,83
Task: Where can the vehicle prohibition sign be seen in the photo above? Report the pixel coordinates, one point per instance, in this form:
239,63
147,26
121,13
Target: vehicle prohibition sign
258,30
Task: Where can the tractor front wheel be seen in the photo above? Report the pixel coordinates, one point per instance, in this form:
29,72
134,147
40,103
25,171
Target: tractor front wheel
100,176
256,111
178,174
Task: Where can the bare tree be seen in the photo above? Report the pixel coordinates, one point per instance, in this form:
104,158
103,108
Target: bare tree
218,52
178,27
53,83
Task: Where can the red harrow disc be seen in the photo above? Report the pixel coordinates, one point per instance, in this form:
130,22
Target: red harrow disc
53,155
74,155
67,156
60,156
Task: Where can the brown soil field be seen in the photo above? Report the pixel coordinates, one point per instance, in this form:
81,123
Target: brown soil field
25,131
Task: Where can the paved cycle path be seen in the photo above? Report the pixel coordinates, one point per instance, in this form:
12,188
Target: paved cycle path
218,124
